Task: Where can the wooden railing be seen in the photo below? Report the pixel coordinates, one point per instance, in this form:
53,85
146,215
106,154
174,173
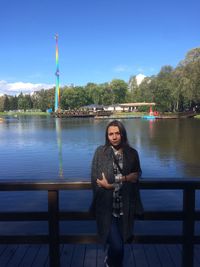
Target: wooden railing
188,215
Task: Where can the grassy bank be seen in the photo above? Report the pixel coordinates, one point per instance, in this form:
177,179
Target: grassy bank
115,114
26,113
122,114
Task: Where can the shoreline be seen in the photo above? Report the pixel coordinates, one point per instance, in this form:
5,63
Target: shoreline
116,115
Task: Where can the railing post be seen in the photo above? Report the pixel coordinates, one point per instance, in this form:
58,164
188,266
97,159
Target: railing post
188,226
54,244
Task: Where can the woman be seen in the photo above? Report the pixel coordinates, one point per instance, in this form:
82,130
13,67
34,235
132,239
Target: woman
115,172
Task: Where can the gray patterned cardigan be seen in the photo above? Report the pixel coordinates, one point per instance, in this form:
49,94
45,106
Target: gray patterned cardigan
102,198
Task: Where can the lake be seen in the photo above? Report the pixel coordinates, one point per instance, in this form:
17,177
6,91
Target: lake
48,148
35,147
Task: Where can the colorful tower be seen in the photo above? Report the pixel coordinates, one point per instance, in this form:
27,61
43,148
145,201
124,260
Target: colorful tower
57,90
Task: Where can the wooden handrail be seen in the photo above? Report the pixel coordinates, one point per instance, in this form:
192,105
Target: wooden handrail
188,215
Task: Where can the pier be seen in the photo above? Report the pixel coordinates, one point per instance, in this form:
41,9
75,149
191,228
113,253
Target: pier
54,249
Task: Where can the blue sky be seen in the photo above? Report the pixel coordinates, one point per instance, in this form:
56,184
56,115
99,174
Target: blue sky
99,40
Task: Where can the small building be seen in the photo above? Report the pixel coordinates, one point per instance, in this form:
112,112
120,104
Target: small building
113,108
123,107
133,106
93,107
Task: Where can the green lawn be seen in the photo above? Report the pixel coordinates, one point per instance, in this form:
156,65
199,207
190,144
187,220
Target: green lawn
23,113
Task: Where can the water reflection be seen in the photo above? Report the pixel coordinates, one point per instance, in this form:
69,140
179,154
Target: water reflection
167,148
45,147
151,128
59,143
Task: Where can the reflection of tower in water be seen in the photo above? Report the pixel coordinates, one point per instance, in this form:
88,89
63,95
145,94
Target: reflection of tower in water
59,143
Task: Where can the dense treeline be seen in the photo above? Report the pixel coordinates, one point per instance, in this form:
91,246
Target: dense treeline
172,89
175,89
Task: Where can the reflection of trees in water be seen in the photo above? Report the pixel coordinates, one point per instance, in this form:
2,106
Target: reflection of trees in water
178,139
168,140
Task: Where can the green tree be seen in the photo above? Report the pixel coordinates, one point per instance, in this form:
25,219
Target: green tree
133,89
43,100
95,93
51,97
22,102
74,98
163,92
13,102
188,80
120,89
91,90
1,103
192,56
6,103
40,100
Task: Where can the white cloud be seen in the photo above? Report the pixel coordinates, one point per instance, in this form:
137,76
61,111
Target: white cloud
18,87
122,68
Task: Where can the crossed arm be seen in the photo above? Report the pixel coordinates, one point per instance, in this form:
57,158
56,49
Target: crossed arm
131,177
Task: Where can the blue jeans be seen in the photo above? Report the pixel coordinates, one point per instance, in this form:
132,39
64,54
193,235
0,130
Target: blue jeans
115,244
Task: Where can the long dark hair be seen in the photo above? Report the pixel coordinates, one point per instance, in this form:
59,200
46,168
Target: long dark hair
122,130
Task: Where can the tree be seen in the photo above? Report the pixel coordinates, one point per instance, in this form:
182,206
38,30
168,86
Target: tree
23,102
188,76
29,102
2,100
95,93
13,102
164,88
191,84
133,89
119,88
191,57
74,98
91,90
50,94
43,100
6,103
146,90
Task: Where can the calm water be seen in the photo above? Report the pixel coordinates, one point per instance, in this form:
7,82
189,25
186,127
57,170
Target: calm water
47,148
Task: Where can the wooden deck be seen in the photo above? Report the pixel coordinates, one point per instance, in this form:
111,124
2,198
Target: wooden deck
178,250
136,255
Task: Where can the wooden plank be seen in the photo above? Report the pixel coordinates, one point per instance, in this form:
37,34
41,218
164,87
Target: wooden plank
90,256
30,255
17,258
100,256
41,257
152,256
78,256
196,255
175,255
53,222
136,255
129,259
164,256
66,255
139,255
7,254
2,249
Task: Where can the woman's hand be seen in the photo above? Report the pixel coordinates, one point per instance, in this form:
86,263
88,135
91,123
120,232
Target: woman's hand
104,182
131,177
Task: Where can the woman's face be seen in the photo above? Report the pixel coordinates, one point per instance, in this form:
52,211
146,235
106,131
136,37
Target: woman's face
114,135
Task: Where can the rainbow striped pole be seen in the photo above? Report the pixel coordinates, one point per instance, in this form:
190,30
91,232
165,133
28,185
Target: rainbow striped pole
57,91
